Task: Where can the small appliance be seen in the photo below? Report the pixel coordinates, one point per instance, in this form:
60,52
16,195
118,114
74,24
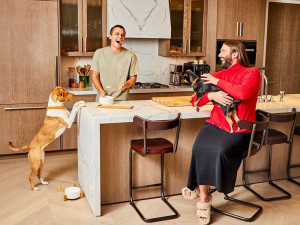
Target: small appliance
175,74
198,69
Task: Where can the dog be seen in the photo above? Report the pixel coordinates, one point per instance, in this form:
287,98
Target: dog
200,88
58,118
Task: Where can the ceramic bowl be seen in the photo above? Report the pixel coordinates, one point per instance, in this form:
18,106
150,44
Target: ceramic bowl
72,192
106,100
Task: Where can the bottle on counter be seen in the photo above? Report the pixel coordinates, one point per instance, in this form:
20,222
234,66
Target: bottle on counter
71,74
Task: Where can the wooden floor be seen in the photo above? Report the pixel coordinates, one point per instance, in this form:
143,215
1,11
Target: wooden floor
20,205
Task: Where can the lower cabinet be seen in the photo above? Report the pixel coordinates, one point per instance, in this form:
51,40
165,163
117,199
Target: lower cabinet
20,123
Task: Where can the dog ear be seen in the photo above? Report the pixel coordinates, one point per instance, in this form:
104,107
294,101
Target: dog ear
58,91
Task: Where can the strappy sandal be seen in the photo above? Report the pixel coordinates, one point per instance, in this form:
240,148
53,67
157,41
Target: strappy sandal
203,211
188,194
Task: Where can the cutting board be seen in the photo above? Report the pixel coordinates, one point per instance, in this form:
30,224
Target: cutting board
115,106
173,101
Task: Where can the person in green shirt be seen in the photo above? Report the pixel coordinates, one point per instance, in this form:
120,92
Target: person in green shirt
114,68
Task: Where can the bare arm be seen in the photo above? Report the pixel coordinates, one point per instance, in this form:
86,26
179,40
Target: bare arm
124,85
97,84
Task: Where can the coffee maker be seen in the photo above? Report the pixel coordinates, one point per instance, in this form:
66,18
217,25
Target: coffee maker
198,69
175,74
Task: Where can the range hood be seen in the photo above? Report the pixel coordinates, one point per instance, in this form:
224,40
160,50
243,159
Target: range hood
141,19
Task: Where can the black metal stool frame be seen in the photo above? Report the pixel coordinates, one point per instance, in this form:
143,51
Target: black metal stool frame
286,195
260,125
289,166
161,184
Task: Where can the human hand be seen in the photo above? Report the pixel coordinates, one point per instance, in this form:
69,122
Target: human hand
209,79
220,97
122,85
102,93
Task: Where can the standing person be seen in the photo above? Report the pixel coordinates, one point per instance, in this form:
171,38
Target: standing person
114,68
217,153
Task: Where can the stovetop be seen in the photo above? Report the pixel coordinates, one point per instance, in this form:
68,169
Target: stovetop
139,85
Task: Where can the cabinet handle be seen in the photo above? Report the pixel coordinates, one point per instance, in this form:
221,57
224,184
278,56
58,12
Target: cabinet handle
85,44
241,28
189,45
25,108
237,29
185,48
56,72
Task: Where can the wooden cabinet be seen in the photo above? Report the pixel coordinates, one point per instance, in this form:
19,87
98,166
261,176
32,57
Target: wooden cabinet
83,26
188,29
29,51
238,19
20,123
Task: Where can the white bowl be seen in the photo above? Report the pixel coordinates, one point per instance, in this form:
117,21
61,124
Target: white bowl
72,192
106,100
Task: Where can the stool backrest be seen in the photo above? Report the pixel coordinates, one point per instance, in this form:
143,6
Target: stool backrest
158,125
281,118
260,125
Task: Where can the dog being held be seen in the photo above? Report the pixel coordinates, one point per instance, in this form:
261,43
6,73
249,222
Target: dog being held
58,118
200,88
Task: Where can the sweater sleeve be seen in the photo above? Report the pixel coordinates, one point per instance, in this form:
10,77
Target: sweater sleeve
243,91
202,102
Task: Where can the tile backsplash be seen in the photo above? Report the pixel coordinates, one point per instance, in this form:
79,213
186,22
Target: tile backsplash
153,68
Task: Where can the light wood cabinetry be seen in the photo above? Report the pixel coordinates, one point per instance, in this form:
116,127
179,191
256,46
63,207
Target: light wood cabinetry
188,29
29,51
20,124
83,26
238,19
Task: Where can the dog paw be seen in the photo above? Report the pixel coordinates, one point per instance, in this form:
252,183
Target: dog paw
44,182
35,189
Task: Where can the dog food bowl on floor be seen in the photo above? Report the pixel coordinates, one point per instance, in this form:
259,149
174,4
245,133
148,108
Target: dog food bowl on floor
72,192
106,100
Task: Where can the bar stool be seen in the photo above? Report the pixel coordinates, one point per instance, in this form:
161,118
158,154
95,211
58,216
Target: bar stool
259,126
289,166
274,137
154,146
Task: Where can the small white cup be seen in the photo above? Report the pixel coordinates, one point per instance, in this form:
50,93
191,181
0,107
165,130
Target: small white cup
106,100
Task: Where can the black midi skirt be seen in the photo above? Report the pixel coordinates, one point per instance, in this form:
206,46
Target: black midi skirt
216,158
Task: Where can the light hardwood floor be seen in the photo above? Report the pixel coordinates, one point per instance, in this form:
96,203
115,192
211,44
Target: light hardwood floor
20,205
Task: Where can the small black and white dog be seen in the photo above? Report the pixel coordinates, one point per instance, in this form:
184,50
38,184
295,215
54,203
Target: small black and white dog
200,88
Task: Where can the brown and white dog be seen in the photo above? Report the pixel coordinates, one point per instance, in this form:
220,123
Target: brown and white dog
58,118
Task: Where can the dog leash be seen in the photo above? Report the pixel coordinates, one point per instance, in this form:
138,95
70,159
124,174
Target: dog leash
55,107
195,81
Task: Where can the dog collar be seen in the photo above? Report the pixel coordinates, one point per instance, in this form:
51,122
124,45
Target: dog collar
56,107
195,81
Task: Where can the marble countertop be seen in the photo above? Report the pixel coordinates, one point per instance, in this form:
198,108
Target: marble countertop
152,110
93,91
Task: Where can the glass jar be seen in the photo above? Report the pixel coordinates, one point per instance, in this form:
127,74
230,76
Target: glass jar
71,74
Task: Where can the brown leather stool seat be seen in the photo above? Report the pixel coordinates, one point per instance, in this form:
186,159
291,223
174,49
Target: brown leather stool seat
274,137
260,126
150,146
154,146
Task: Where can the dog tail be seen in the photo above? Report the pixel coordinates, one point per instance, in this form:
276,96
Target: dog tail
16,148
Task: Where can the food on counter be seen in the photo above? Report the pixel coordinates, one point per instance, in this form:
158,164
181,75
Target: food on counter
81,84
74,85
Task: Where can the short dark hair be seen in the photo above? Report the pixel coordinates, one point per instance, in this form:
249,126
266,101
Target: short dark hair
237,46
112,29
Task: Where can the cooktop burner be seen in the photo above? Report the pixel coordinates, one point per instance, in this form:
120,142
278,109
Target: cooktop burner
149,85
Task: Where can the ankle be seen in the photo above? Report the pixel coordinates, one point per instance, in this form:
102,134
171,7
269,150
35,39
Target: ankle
205,198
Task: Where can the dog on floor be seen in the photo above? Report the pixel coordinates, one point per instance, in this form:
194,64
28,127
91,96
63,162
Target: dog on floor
200,89
58,118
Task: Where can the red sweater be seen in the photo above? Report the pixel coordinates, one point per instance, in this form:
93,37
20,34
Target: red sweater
241,83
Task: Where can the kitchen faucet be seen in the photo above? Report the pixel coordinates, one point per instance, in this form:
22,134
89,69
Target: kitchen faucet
265,89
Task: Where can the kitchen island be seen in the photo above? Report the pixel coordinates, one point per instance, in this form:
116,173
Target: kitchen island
104,140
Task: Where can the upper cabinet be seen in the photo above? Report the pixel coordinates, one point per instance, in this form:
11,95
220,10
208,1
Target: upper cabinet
188,29
238,19
83,26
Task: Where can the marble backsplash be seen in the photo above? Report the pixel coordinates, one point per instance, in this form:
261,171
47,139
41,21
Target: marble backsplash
153,68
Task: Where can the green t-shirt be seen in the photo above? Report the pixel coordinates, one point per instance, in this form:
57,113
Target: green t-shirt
114,68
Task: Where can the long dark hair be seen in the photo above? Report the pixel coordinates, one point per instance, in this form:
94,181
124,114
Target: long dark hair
237,46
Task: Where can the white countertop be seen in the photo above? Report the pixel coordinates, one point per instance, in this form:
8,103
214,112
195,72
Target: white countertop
93,91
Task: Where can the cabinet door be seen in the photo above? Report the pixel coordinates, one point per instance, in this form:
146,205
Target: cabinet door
227,27
249,17
29,50
20,125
